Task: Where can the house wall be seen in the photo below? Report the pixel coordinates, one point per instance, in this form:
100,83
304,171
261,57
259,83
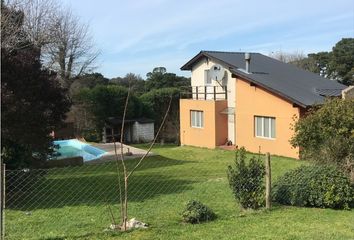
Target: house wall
198,79
214,131
348,93
253,101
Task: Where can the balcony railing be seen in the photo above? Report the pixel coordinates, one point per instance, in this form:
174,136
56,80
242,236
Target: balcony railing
205,93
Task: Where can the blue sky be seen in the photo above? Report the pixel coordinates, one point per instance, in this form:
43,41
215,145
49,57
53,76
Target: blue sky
136,36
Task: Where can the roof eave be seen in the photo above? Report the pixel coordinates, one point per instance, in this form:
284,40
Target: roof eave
188,65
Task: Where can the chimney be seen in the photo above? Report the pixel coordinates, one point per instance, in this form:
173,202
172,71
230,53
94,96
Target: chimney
248,62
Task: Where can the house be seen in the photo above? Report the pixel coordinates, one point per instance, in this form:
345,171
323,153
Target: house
136,130
248,99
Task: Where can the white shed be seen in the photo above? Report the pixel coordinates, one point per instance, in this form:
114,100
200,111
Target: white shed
137,130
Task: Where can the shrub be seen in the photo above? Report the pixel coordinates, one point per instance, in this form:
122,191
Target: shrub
246,180
196,212
325,135
314,186
91,135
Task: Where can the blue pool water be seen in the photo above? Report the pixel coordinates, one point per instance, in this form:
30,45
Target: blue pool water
74,148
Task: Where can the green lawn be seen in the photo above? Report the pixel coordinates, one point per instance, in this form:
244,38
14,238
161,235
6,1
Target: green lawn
72,203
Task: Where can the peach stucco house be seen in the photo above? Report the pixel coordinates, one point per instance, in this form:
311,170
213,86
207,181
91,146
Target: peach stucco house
248,100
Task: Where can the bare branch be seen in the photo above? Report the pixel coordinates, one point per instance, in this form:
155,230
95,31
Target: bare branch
155,138
119,184
125,205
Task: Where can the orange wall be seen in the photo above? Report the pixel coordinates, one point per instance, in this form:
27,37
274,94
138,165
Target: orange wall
251,101
213,133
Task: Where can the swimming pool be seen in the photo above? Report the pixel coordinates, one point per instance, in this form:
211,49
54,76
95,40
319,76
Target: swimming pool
74,148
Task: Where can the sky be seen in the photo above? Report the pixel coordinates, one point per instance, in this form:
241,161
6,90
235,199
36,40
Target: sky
138,35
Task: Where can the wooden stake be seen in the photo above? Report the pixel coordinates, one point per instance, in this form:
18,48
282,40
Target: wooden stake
2,200
268,176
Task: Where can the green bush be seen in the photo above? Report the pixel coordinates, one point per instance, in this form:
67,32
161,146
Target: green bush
326,134
315,186
246,180
91,135
196,212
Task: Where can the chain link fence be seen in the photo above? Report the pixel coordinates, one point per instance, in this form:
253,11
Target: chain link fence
76,200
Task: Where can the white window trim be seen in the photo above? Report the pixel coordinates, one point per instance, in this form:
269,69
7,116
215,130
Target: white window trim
262,126
201,119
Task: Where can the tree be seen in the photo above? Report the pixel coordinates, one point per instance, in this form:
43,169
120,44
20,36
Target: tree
64,41
39,16
127,174
287,57
88,80
131,80
33,103
326,134
71,52
108,101
337,64
160,78
155,103
341,64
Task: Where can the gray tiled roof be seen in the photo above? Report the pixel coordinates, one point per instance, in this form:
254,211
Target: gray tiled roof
290,82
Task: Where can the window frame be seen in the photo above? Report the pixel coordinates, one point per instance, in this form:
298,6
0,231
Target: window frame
270,128
207,77
198,118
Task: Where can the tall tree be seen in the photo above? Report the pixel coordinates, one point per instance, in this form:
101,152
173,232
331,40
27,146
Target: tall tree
71,52
341,64
337,64
108,101
160,78
33,103
88,80
131,80
287,57
65,42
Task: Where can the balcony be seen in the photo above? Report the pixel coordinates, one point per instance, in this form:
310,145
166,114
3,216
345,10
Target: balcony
205,93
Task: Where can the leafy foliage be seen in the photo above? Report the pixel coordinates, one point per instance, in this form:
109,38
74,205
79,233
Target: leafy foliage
134,81
314,186
108,101
341,65
33,103
246,180
160,78
326,134
155,104
197,212
337,64
90,81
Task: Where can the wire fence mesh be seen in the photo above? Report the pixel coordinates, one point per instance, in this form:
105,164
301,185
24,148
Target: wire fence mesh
76,200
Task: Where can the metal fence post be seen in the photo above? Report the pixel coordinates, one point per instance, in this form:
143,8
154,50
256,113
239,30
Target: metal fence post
2,201
268,175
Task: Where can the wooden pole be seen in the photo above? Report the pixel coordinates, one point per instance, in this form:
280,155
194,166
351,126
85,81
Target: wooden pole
2,201
268,175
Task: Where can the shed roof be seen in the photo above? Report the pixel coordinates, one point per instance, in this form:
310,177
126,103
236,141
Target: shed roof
118,120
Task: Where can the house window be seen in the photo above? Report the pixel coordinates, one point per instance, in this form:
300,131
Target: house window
264,127
197,119
207,78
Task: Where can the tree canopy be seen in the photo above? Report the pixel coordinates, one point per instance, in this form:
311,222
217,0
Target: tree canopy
108,101
326,134
33,103
160,78
337,64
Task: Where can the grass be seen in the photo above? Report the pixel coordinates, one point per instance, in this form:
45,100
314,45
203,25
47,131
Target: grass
72,203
